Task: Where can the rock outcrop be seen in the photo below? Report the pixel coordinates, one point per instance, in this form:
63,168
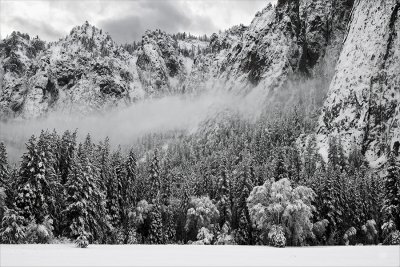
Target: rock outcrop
289,40
83,72
160,66
363,102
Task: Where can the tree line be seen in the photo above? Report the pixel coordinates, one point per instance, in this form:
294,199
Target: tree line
232,182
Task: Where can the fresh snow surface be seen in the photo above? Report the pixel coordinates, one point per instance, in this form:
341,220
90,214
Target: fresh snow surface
191,255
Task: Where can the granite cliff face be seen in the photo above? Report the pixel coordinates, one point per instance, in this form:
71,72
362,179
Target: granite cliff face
291,39
363,102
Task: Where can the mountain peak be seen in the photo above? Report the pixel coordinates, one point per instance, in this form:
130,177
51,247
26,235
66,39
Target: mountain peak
89,31
91,39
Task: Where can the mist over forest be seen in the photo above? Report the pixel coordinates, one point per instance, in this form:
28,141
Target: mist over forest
126,125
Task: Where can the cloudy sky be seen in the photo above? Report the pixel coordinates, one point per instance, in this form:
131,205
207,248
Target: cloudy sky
125,20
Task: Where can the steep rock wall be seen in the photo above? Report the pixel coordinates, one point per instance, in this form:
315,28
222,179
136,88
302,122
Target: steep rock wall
363,102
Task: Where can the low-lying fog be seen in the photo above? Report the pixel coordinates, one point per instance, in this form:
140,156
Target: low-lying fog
124,126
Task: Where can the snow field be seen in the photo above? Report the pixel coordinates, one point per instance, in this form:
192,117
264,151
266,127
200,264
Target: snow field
191,255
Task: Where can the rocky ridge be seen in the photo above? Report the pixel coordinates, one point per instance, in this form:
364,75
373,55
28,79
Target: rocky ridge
85,72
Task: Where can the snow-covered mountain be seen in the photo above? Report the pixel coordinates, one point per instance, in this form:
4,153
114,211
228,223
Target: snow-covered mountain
86,71
352,45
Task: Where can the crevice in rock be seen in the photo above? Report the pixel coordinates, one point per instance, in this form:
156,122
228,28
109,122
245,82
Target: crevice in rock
392,32
355,4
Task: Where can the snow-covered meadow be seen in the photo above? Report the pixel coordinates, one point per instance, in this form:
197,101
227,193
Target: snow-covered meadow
190,255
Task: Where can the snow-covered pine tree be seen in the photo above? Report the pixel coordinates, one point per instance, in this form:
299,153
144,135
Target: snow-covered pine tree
127,173
241,217
131,176
67,152
169,224
77,198
391,206
156,235
98,219
12,229
112,176
330,208
243,232
354,209
210,177
48,148
280,169
86,207
33,187
4,168
55,147
310,158
40,233
154,177
371,196
128,193
336,155
294,166
4,181
245,225
168,220
88,147
224,195
261,144
180,216
103,163
3,206
166,181
82,240
333,195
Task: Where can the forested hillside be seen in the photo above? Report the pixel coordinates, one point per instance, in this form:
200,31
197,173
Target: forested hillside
235,182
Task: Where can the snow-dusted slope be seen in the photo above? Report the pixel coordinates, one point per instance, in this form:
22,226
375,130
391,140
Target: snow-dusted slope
17,56
363,102
197,255
206,68
161,66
